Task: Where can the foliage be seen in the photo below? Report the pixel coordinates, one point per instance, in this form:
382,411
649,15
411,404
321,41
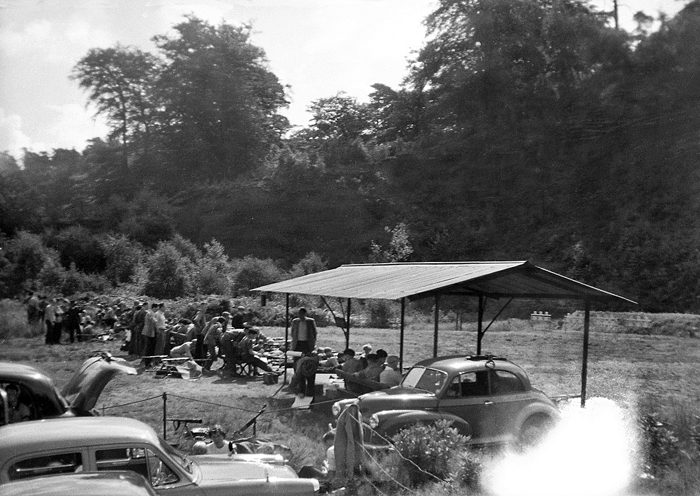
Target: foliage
310,264
382,313
399,249
429,453
122,258
214,271
13,319
168,273
251,272
78,246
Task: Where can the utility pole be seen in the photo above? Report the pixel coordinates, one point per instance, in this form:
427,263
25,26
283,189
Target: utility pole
617,21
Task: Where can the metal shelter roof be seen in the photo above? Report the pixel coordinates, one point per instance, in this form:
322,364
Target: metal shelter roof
394,281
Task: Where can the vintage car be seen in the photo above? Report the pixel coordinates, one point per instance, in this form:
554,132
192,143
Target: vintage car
92,483
78,397
487,398
96,444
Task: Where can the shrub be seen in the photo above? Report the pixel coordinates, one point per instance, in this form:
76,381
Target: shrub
381,313
75,281
429,453
76,245
168,273
122,258
214,272
310,264
26,257
251,272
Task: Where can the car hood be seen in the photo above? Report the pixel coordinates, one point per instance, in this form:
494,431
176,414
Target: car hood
86,385
397,398
222,473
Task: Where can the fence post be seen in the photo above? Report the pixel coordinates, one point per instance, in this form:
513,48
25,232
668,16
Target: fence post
165,414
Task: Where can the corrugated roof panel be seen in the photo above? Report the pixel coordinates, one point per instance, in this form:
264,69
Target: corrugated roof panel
394,281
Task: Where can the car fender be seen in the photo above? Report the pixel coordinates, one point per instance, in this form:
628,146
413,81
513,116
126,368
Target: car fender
535,410
392,421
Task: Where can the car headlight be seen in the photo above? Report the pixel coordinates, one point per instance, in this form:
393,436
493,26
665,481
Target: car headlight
373,421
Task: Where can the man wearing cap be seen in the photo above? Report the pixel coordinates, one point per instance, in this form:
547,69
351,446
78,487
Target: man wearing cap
247,352
391,375
303,333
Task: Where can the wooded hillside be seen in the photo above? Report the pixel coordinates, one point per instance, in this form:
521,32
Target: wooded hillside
525,129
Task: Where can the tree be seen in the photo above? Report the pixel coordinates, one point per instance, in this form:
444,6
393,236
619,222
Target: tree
220,101
120,84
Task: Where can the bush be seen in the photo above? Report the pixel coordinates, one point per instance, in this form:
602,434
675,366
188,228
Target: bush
430,453
214,271
26,257
76,245
122,258
251,272
168,273
75,281
382,313
310,264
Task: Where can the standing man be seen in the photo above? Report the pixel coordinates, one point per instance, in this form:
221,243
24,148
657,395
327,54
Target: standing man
148,335
137,323
200,322
50,319
72,321
303,333
161,333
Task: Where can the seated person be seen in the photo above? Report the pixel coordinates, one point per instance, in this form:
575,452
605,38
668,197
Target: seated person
326,358
391,375
247,352
18,411
350,364
229,348
371,373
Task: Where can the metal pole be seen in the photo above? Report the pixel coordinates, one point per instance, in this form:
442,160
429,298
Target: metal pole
165,415
347,334
479,332
286,338
584,365
435,333
403,316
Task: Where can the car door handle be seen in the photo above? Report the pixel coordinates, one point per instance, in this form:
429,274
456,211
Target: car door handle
487,403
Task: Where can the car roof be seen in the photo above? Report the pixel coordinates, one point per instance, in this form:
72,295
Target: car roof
123,483
17,372
72,432
461,363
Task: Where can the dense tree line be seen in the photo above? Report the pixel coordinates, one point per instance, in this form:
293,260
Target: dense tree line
524,129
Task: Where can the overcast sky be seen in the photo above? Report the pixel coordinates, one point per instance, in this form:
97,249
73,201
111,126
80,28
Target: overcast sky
317,47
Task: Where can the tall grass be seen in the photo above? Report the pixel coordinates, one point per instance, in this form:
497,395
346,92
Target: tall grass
13,321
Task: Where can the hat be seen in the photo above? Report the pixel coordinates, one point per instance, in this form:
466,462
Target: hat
241,308
392,359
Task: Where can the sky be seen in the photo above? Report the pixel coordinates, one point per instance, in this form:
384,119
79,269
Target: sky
316,47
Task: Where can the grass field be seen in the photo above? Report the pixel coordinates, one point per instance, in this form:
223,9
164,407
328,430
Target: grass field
635,371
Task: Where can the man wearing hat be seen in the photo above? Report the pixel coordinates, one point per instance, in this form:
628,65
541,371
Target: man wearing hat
391,375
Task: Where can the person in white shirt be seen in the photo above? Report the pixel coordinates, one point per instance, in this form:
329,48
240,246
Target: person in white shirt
219,445
391,375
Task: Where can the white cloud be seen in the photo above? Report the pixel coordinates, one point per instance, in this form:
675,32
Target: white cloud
72,126
12,139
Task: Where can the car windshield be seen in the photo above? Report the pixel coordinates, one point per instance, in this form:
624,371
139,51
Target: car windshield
430,380
178,457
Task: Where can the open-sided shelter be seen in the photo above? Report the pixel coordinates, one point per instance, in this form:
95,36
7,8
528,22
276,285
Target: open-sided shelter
413,281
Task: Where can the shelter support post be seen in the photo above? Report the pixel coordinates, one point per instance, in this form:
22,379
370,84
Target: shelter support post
403,319
480,324
584,365
347,331
286,338
437,320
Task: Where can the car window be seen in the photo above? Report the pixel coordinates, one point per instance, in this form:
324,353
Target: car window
142,461
177,456
40,466
430,380
468,384
504,382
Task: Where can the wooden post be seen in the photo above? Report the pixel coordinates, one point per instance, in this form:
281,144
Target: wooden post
584,365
